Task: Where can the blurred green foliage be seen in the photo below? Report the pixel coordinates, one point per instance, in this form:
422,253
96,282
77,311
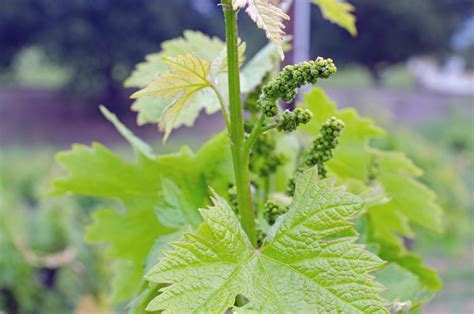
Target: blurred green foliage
445,148
44,265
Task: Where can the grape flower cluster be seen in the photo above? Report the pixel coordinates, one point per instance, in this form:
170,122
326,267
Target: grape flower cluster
321,150
289,120
323,146
284,87
263,158
272,210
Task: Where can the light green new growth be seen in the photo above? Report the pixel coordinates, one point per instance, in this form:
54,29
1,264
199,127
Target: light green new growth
268,17
186,77
298,269
208,50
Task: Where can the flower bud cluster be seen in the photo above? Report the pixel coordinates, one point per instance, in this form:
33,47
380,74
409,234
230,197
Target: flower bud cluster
272,210
288,121
232,196
263,158
373,170
291,185
289,79
251,101
323,146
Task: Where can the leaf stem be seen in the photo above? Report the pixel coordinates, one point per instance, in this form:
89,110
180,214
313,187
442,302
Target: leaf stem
268,128
223,106
240,156
254,134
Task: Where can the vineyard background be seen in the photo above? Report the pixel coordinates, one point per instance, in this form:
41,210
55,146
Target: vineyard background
43,109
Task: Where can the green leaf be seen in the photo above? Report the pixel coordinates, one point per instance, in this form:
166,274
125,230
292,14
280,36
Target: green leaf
128,241
173,209
96,171
297,270
352,157
406,201
187,75
151,109
339,12
402,285
253,73
412,198
134,141
410,202
135,234
194,42
268,17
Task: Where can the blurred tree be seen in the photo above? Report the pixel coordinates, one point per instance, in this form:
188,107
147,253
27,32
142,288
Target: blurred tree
98,40
391,31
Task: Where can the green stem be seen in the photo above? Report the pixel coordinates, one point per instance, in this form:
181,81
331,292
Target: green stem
268,128
240,157
223,106
254,133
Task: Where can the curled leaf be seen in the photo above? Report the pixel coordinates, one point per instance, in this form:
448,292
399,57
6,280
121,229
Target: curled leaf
187,75
268,17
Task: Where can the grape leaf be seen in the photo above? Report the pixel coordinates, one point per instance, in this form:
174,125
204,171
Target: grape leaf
410,202
134,141
194,42
339,12
128,241
396,173
402,286
258,67
187,76
173,210
133,233
151,109
268,17
297,270
352,157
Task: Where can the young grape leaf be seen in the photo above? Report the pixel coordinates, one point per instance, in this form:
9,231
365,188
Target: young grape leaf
253,73
397,173
132,234
298,269
410,201
129,240
268,17
339,12
136,142
187,76
194,42
352,157
173,210
151,109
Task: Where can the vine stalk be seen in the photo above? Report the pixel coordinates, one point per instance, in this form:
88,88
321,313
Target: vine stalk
240,156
